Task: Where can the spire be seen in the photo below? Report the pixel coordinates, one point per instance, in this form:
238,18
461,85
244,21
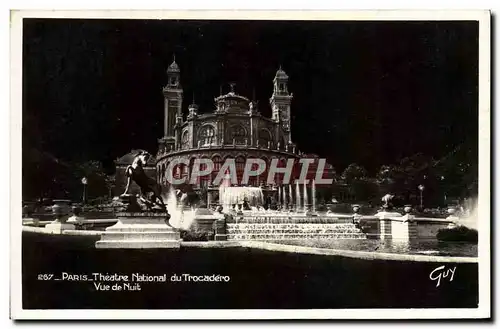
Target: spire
193,108
174,68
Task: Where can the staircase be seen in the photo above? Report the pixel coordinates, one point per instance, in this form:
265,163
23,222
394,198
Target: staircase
293,231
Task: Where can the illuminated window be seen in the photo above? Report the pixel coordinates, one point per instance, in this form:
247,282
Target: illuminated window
238,135
206,135
240,167
217,165
264,137
185,140
262,179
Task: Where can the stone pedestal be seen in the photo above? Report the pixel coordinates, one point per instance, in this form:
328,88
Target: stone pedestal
205,219
140,231
385,226
60,209
395,226
220,230
404,230
57,227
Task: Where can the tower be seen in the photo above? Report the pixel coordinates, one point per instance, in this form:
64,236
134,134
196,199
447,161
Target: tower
280,103
172,94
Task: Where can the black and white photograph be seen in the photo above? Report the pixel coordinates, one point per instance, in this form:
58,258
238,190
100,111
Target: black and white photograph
281,165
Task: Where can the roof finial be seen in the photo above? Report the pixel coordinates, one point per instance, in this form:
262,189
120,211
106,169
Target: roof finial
280,67
220,90
232,86
174,57
193,99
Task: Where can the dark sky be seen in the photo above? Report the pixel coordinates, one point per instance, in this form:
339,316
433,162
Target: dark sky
365,92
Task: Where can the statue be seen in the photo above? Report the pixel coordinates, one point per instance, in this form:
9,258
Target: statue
149,186
387,199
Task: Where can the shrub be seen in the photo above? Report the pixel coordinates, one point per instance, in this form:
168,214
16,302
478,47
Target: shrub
460,233
196,236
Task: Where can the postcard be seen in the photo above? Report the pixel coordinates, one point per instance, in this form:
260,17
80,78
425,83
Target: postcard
250,165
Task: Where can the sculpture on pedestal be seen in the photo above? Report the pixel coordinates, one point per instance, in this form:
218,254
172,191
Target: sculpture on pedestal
150,193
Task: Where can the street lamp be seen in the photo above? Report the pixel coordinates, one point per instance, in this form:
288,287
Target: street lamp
421,188
442,184
84,182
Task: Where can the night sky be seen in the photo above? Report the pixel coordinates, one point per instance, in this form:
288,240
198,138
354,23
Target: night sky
365,92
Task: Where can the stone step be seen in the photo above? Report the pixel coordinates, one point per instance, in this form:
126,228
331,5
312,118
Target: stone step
145,236
137,244
138,232
300,236
138,228
292,220
292,225
290,231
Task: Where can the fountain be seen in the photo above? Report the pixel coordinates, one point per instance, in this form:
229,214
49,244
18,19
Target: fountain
306,198
233,195
313,191
285,201
180,216
297,197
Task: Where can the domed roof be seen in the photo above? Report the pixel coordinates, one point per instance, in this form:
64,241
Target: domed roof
173,68
233,96
280,74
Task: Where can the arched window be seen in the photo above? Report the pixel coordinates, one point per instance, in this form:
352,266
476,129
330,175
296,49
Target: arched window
238,134
177,170
185,140
240,167
264,137
253,180
206,135
189,170
205,179
278,177
163,176
262,179
217,165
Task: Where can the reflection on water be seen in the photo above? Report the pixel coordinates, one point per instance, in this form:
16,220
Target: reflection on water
421,247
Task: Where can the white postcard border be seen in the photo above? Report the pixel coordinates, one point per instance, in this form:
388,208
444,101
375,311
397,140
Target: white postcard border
484,197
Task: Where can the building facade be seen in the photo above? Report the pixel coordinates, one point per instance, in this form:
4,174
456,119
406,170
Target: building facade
234,129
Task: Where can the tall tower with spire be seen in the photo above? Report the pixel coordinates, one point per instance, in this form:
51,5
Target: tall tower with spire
172,94
280,103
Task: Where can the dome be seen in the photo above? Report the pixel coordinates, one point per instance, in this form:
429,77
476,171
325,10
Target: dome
280,74
174,68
